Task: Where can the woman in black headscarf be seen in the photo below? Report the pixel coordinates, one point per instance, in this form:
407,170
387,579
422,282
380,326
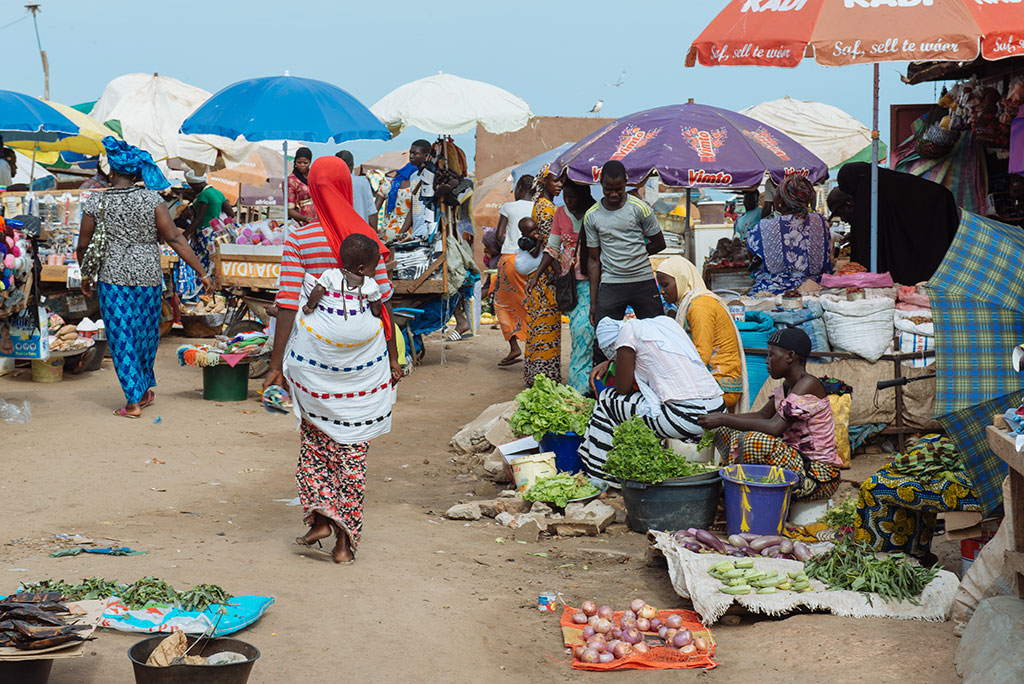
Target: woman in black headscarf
300,202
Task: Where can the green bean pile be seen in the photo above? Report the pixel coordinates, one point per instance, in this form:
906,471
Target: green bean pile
854,566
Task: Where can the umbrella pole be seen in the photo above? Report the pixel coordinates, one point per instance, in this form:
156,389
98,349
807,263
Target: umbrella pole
32,173
284,183
874,176
691,247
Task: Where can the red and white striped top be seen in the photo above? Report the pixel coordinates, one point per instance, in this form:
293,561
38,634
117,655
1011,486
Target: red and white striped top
306,251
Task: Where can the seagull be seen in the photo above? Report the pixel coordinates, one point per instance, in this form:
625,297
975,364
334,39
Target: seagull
622,77
597,107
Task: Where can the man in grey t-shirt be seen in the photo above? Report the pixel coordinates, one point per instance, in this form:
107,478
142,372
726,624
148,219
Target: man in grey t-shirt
622,233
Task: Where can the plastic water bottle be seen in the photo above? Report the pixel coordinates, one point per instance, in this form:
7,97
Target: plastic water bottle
11,414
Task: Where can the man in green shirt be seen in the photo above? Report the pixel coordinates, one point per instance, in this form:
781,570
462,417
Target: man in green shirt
208,205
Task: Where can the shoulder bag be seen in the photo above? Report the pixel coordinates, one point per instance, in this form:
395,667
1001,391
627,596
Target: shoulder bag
93,259
566,298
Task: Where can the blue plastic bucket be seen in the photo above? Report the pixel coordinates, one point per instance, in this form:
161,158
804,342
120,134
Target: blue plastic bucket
756,507
567,450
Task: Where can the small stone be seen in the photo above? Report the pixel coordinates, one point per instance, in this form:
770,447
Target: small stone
494,465
487,509
574,511
505,519
568,530
528,530
466,511
515,506
620,516
508,494
593,518
541,508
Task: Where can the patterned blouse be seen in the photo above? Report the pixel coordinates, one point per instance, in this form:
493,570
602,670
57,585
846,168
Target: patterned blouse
812,429
133,248
300,199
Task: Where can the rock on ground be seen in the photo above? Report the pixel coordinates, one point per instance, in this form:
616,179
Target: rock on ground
466,511
472,438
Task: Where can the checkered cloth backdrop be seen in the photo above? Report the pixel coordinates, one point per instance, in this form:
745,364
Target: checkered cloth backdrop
977,298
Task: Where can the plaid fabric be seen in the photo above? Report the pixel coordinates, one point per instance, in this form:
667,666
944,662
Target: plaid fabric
977,298
963,171
932,456
818,480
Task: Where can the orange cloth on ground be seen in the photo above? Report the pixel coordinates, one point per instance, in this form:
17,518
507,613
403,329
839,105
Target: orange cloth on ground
659,657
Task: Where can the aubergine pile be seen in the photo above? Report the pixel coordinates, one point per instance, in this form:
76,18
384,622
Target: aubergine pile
33,621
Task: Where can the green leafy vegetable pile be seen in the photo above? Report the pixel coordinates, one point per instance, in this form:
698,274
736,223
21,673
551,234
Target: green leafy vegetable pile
842,516
550,407
637,454
852,565
139,594
560,489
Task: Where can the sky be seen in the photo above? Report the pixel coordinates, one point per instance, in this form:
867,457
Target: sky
558,55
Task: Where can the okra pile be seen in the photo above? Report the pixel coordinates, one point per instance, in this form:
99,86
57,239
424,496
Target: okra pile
739,576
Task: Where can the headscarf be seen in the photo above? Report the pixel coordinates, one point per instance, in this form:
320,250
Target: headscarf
796,193
130,160
330,186
538,180
689,286
660,330
404,174
302,153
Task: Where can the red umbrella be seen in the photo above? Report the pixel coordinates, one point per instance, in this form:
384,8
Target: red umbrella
839,32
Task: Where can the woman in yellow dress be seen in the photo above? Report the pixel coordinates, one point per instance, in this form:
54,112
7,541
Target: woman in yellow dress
706,318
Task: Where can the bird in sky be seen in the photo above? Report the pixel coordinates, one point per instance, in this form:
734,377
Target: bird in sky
622,78
597,107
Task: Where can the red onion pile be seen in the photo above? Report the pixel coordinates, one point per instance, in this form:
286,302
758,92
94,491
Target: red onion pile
607,639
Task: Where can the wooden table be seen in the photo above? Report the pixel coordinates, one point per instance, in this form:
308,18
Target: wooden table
1002,443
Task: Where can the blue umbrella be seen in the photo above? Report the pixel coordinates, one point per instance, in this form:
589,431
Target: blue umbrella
283,108
23,117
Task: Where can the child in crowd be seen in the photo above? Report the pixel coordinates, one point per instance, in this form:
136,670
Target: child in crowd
529,255
359,256
795,430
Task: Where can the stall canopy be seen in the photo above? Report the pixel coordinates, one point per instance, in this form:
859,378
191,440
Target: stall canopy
830,133
448,105
385,163
87,142
692,145
977,299
264,167
150,108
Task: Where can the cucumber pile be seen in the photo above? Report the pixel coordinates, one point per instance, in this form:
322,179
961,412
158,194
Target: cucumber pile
739,577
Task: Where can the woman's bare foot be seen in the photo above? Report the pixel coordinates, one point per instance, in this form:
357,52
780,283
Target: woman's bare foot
129,411
342,552
320,529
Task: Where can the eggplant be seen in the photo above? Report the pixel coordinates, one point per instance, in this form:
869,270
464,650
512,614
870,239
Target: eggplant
786,546
801,551
737,541
710,540
771,551
762,543
749,551
693,546
749,536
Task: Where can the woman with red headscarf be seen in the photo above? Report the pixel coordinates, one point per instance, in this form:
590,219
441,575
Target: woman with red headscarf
334,361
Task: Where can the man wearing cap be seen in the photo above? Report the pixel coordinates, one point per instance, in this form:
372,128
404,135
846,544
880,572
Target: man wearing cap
208,205
362,194
794,431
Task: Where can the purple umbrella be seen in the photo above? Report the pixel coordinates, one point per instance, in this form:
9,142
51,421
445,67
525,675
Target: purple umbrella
694,146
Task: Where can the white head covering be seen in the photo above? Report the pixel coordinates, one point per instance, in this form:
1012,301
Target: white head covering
192,178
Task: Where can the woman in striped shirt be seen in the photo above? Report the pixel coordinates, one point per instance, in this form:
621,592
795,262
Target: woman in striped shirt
335,430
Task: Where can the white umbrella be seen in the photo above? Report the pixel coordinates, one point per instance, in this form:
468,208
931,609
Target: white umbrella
151,109
447,104
830,133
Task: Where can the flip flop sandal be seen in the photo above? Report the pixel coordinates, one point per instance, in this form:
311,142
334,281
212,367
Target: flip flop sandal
124,414
510,362
299,541
147,399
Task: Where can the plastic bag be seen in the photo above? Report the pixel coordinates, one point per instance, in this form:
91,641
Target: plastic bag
11,414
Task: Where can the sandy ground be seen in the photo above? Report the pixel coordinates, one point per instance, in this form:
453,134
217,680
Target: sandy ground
428,599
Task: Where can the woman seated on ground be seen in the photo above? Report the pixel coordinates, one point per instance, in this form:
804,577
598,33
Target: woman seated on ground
658,375
794,246
704,315
795,430
897,506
